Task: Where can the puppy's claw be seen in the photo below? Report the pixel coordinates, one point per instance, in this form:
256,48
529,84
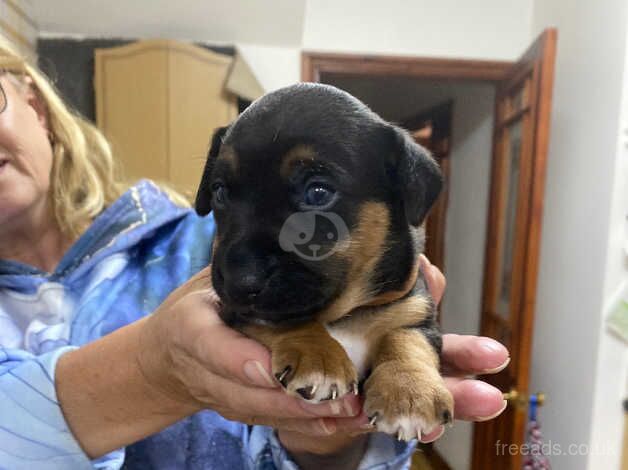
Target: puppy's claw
354,388
373,419
307,392
334,392
282,376
400,435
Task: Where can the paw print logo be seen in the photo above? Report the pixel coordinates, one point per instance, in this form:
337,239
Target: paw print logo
313,235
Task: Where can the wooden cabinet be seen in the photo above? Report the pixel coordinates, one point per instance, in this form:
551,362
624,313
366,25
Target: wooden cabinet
158,102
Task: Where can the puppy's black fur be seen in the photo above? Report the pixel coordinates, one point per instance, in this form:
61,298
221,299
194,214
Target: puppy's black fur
358,156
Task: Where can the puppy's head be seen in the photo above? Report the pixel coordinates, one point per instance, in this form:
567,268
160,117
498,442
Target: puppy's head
318,204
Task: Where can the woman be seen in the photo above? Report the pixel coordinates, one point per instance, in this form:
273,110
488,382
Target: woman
88,379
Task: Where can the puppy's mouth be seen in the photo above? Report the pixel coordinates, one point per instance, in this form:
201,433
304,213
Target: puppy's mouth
277,313
270,307
269,318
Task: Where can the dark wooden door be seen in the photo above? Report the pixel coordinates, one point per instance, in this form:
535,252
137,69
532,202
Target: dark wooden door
522,119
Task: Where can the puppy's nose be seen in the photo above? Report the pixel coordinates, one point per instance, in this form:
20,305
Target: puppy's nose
246,282
249,286
247,266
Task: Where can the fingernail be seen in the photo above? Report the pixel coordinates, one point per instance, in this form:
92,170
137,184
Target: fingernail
498,368
438,436
334,406
328,428
495,415
492,346
256,373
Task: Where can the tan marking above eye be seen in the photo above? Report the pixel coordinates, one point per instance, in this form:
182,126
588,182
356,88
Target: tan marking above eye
300,153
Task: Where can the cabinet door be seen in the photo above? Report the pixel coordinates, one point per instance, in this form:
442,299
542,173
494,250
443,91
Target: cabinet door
198,104
131,85
158,102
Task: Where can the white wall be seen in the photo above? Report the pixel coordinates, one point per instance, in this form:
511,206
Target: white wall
485,29
572,353
274,67
491,29
612,364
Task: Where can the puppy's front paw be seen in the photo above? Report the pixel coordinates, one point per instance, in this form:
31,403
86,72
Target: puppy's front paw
314,370
407,401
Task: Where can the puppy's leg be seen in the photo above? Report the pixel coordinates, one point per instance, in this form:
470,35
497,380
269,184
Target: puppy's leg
405,393
307,361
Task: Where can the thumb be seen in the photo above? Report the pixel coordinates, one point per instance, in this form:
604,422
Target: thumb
237,357
229,353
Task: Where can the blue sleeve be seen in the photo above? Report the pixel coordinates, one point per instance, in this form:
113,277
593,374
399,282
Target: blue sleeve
383,452
33,431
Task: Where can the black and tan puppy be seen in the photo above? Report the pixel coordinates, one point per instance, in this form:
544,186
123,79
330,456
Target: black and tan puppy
318,204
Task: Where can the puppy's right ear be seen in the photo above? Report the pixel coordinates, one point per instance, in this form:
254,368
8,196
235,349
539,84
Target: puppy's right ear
418,176
204,193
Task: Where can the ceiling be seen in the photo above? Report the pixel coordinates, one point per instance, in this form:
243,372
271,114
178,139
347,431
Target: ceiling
215,21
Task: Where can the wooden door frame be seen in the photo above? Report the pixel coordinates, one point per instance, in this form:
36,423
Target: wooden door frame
313,64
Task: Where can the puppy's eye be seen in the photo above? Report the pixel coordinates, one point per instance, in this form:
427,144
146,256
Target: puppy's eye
318,194
219,194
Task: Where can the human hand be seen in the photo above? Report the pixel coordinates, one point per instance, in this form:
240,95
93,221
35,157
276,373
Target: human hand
190,355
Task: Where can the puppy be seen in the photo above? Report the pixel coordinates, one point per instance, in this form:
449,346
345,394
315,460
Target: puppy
319,204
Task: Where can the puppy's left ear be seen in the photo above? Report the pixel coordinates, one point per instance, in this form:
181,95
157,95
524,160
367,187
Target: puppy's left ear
204,193
418,176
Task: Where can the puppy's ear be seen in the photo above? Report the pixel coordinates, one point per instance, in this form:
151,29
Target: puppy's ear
417,175
204,193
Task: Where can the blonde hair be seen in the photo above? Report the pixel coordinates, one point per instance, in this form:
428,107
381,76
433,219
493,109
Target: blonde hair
84,178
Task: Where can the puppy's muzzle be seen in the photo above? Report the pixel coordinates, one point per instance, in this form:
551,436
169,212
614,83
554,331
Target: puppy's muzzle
243,270
244,282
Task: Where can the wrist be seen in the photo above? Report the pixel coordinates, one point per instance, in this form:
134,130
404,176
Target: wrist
155,362
105,396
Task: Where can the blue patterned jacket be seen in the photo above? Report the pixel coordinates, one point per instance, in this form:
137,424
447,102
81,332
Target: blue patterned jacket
133,255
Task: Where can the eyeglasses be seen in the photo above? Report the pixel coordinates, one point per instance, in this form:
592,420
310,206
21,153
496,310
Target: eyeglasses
3,99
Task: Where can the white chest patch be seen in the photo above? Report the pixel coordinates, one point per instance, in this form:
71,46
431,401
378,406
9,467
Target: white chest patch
355,345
